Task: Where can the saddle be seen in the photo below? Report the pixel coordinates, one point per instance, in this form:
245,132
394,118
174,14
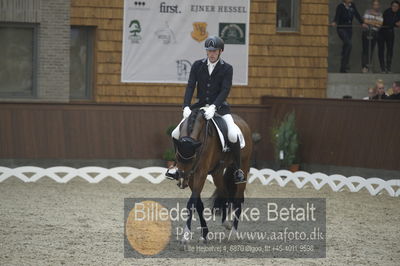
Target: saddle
222,130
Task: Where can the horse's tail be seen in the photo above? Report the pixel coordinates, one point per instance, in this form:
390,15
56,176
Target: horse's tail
219,199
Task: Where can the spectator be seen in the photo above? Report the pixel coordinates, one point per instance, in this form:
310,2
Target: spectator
371,94
396,91
345,12
391,19
380,89
373,20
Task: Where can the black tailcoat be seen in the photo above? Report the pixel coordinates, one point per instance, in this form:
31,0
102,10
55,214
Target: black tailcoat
212,89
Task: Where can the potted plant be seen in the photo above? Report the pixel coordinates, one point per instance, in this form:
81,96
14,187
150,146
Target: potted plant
284,137
169,154
169,157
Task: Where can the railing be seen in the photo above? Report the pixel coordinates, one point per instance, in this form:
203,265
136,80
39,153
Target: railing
155,175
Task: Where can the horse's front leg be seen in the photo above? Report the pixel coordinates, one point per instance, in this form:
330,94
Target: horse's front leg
191,206
203,223
195,203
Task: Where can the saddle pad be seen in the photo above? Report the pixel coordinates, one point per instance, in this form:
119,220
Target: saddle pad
222,130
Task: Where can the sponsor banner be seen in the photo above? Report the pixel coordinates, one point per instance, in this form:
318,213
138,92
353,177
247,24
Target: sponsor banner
162,39
267,228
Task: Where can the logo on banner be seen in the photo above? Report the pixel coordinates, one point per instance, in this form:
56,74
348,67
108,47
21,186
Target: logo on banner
166,34
135,30
183,69
164,8
233,33
199,32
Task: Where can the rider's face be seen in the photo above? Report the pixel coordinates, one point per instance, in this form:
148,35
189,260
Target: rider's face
395,7
213,55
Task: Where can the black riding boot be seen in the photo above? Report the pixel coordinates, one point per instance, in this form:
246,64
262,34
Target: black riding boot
173,173
238,175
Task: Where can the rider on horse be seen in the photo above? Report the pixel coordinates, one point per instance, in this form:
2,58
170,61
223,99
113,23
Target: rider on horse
213,78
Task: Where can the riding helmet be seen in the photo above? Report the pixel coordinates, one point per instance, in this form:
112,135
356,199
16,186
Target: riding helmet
214,43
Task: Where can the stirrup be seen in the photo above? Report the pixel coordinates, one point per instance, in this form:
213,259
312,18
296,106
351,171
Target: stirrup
238,177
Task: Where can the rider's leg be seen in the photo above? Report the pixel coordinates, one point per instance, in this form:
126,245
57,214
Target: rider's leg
234,145
172,173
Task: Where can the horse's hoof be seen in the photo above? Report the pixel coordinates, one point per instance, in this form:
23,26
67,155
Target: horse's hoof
202,240
227,225
184,241
233,234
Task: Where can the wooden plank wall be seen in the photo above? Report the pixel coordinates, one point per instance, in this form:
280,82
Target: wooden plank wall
95,131
354,133
280,64
332,132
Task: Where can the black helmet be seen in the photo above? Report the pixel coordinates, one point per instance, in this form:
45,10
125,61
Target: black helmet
214,43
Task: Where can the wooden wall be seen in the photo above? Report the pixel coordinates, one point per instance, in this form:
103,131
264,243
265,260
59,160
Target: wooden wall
354,133
332,132
95,131
280,64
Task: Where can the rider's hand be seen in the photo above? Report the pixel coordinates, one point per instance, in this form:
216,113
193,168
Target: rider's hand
210,112
186,112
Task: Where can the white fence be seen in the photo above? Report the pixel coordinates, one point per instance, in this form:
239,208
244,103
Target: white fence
155,175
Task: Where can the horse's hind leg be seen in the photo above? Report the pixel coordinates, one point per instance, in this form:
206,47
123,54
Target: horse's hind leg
239,193
237,211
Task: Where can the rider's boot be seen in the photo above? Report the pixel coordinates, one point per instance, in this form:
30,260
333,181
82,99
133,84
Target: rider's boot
172,172
238,175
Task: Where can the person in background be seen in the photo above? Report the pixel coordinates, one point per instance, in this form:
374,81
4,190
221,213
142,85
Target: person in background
371,94
380,90
345,12
396,91
373,20
391,19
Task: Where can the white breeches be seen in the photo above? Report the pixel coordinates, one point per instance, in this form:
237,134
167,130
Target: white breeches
233,129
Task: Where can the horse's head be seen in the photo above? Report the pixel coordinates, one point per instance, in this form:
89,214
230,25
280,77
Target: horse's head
189,143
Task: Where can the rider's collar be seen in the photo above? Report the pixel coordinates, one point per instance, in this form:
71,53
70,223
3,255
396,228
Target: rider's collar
205,60
213,64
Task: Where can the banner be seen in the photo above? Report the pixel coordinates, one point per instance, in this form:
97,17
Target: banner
162,39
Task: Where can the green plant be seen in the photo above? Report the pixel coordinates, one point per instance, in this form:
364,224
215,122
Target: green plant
169,130
169,155
284,137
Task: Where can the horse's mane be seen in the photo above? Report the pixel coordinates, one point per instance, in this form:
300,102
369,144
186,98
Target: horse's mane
192,120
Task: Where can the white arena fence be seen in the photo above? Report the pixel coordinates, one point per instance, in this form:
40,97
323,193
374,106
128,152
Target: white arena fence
155,175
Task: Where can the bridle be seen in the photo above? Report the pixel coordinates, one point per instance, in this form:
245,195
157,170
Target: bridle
197,155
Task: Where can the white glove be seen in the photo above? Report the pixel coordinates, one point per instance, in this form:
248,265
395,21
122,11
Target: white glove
186,112
210,112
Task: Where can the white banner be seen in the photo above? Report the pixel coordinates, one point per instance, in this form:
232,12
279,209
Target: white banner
162,39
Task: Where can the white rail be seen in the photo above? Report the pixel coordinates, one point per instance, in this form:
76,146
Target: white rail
155,175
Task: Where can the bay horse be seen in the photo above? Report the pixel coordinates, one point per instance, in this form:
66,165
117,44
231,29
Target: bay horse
199,153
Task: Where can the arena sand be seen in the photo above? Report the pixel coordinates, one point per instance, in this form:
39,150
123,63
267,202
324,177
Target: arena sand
46,223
